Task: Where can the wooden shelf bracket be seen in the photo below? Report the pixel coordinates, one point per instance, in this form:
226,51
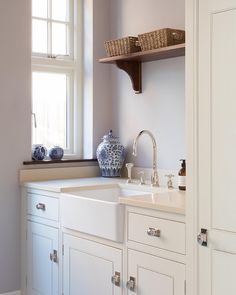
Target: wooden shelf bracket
132,63
134,70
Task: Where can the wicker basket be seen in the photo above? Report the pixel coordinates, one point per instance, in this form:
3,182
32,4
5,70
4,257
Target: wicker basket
122,46
161,38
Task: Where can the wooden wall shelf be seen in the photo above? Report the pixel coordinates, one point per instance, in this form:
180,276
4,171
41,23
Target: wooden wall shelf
132,63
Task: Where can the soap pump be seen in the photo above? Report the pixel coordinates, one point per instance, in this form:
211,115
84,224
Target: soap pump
182,176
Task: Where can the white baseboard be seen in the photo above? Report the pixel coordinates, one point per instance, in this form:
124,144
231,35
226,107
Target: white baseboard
12,293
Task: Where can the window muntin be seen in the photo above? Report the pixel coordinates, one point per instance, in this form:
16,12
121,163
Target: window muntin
52,22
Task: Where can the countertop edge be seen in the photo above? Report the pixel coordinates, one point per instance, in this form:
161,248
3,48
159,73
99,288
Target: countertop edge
148,205
66,187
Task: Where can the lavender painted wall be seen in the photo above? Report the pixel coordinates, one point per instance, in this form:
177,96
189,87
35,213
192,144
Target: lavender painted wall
97,79
102,102
161,106
15,120
15,113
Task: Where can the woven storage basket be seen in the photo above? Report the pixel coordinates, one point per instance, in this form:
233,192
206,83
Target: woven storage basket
122,46
161,38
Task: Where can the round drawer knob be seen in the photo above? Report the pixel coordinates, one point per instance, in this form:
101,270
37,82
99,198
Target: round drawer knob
154,232
41,206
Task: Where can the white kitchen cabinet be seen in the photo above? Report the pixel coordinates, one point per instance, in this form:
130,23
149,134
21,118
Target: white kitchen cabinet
213,262
155,252
42,259
40,243
63,260
88,267
152,275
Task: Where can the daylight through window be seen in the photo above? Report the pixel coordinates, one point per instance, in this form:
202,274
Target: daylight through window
55,112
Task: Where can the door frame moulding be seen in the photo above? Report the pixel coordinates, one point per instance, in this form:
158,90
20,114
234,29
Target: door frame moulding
191,12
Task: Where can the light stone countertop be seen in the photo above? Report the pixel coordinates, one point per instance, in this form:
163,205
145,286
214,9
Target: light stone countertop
171,201
67,185
161,198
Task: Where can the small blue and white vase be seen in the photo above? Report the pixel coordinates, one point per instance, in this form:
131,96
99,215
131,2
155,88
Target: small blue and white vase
110,155
39,152
56,153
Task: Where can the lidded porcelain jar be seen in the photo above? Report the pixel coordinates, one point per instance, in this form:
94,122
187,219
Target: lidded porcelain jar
110,155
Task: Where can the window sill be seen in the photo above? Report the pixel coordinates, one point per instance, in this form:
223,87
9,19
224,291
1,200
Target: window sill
48,162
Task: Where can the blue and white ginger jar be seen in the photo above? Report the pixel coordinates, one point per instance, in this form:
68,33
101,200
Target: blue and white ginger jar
110,155
39,152
56,153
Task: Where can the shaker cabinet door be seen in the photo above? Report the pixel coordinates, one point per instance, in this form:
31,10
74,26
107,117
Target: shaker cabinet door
88,268
42,270
151,275
216,147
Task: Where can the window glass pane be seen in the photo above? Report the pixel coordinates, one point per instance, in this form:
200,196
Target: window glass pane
39,8
50,108
39,36
60,10
59,38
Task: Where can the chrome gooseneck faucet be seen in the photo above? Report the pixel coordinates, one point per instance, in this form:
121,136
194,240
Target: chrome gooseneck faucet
154,178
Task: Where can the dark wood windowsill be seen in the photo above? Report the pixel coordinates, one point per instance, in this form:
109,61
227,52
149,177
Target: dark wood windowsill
33,162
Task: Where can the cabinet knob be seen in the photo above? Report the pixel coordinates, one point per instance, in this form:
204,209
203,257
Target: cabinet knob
116,279
202,237
131,284
53,256
154,232
41,206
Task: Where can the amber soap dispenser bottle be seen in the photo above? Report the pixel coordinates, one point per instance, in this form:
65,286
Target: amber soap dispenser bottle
182,176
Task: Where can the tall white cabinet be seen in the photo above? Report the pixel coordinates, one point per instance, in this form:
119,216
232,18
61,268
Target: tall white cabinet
213,185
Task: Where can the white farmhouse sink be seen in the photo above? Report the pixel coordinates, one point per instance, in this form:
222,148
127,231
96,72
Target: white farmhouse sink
96,210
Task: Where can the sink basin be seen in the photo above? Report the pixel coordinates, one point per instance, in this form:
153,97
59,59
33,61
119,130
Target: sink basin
107,194
96,210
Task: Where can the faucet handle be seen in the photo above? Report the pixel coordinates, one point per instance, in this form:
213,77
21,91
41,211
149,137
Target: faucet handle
155,178
129,167
170,181
142,177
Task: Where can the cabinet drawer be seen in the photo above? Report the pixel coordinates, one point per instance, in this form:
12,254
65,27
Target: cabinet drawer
156,232
43,206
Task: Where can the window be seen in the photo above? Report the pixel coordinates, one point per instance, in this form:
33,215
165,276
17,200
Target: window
56,103
52,28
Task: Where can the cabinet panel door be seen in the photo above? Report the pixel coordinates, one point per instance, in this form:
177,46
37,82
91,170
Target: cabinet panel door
154,275
223,273
89,266
42,273
216,146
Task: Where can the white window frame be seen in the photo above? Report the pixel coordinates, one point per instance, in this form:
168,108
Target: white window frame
70,23
71,65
